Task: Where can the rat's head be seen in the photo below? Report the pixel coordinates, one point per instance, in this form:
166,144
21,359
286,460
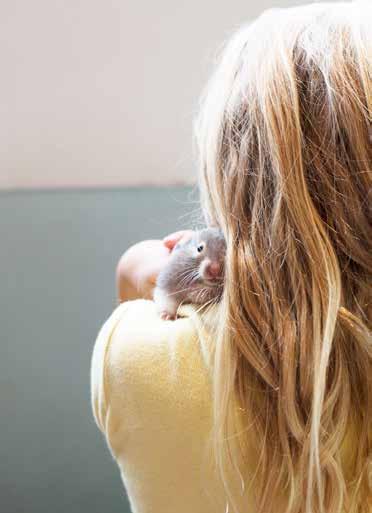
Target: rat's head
206,253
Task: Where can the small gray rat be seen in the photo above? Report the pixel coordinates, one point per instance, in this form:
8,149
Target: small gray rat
194,273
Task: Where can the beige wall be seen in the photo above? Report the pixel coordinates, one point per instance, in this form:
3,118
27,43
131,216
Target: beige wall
99,92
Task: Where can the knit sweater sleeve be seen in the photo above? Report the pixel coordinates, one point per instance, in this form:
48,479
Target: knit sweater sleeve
137,360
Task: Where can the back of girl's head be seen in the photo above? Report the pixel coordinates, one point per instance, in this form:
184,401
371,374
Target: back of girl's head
285,143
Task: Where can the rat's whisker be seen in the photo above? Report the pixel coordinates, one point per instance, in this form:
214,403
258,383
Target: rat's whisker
203,292
189,277
207,304
188,272
177,291
189,280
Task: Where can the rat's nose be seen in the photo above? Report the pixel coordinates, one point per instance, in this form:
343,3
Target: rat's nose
213,270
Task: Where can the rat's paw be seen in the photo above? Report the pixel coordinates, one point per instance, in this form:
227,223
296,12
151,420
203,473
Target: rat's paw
166,316
165,305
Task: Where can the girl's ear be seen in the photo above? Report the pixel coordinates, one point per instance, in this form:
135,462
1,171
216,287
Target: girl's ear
174,238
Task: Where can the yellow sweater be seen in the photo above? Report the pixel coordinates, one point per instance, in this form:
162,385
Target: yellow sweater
151,398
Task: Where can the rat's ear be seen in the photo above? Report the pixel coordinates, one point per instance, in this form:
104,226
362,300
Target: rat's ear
170,241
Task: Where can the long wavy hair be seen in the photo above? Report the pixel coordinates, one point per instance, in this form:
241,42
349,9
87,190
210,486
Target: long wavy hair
284,136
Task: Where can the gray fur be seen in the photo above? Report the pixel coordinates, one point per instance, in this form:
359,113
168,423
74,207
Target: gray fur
181,281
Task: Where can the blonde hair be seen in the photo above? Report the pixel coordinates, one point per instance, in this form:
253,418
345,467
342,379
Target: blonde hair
284,137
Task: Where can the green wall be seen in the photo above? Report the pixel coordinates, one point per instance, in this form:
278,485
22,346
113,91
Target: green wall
58,252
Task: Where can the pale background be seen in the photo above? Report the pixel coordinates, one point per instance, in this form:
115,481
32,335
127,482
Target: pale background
103,92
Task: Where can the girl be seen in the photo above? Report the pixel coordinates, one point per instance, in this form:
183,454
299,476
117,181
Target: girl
278,375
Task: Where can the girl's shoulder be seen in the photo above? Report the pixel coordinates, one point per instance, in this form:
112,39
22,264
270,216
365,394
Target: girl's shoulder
143,368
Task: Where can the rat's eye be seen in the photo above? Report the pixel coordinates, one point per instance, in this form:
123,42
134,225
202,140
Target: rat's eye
200,248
